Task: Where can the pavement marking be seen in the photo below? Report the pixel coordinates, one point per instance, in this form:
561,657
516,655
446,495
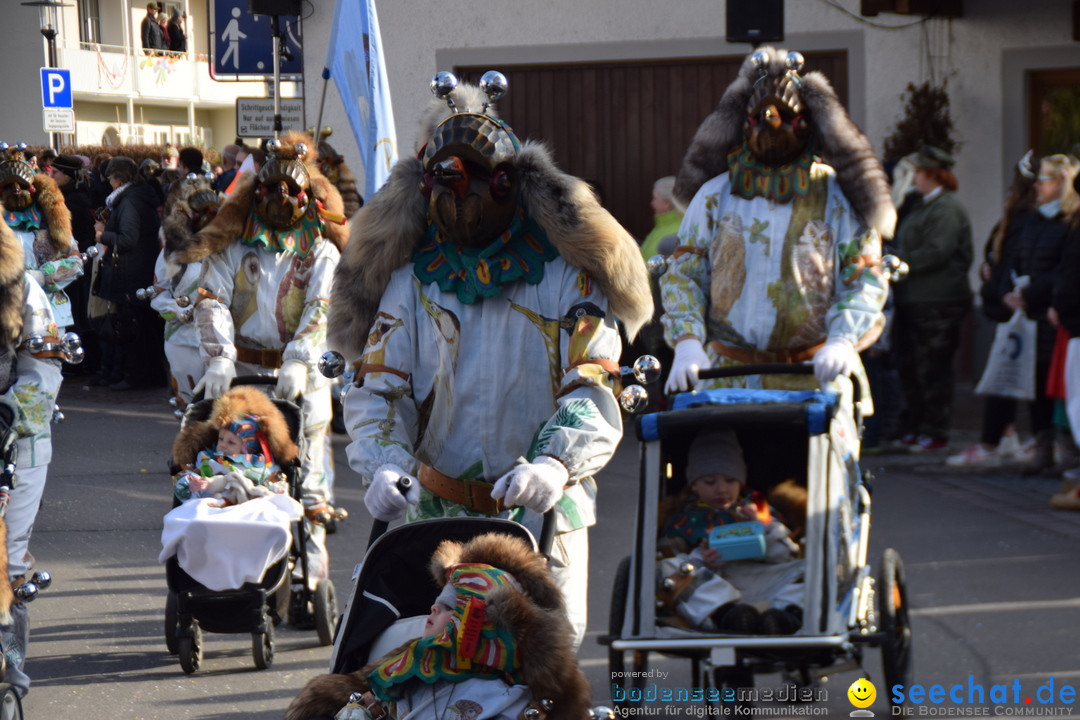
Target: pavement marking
1064,604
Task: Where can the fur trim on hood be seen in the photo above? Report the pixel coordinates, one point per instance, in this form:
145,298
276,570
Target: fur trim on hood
242,400
12,286
229,224
840,142
390,227
55,213
536,617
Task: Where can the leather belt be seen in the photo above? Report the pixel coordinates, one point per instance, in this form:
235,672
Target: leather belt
473,494
752,357
261,357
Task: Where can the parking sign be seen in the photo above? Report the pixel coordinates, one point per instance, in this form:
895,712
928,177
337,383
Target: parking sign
55,88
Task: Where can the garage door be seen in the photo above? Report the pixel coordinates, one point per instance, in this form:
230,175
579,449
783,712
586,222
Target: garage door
622,125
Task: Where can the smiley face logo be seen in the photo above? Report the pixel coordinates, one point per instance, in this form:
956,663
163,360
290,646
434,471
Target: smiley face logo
862,693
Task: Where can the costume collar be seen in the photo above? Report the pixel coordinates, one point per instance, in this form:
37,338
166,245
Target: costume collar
299,239
474,274
750,178
27,219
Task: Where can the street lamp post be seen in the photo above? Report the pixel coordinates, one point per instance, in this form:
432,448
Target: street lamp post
48,16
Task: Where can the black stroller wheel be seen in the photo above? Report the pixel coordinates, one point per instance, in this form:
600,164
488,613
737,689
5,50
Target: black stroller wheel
172,622
617,658
10,704
262,647
325,602
893,620
190,650
737,678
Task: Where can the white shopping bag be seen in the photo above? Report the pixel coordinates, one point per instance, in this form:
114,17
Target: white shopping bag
1010,368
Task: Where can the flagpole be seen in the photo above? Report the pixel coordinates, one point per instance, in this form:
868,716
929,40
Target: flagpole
322,103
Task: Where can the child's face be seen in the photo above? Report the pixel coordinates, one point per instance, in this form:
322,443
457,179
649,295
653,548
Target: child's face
438,620
229,443
718,491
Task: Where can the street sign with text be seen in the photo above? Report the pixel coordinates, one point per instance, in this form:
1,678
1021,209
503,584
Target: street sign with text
242,44
255,116
54,120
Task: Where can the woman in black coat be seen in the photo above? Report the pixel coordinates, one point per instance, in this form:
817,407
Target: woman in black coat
129,244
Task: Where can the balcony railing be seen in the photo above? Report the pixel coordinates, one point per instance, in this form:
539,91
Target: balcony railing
103,71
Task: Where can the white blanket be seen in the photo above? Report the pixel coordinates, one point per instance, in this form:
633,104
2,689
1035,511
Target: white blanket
223,548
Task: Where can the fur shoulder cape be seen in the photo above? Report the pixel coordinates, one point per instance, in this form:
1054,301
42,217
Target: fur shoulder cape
841,143
242,400
12,286
392,224
55,213
536,617
229,224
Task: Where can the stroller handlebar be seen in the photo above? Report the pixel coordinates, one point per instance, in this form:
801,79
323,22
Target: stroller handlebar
861,389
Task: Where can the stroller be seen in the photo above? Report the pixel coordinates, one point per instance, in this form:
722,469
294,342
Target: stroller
811,436
256,608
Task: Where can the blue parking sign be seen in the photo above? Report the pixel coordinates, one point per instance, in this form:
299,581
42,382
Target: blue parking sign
242,44
55,88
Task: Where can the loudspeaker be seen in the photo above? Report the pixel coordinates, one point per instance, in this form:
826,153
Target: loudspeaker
274,7
755,21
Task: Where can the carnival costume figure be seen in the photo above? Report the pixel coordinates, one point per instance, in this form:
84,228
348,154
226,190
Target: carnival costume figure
32,380
479,299
35,210
779,253
268,260
190,207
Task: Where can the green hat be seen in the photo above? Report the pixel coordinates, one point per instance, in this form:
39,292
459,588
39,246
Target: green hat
932,157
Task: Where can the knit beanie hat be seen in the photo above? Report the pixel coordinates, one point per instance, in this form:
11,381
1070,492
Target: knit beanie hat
246,427
716,452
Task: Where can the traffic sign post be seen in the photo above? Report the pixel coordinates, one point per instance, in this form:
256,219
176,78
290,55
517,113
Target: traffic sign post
242,44
255,116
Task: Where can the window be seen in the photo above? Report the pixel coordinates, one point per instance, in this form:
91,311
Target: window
1055,111
89,22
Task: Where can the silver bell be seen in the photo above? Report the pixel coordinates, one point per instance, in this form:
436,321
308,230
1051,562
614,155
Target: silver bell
794,61
668,584
686,568
601,712
173,402
178,414
57,416
43,579
494,84
183,301
26,592
91,253
273,145
70,342
185,316
301,150
331,364
646,369
76,356
143,294
894,268
191,176
443,84
35,343
546,704
759,60
531,713
634,399
656,265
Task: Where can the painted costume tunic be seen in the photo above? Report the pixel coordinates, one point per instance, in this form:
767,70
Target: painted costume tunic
41,256
270,291
185,283
471,388
758,274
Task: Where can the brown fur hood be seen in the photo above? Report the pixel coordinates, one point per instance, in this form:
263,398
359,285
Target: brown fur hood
392,224
238,401
12,286
841,143
536,617
55,213
229,224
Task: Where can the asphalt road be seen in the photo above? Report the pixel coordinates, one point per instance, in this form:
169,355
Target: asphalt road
992,578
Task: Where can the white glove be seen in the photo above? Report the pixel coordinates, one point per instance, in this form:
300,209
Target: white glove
217,379
537,485
689,358
384,500
292,379
836,357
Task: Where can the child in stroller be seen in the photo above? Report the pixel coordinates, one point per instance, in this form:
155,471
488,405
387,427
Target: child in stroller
239,494
721,595
496,643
